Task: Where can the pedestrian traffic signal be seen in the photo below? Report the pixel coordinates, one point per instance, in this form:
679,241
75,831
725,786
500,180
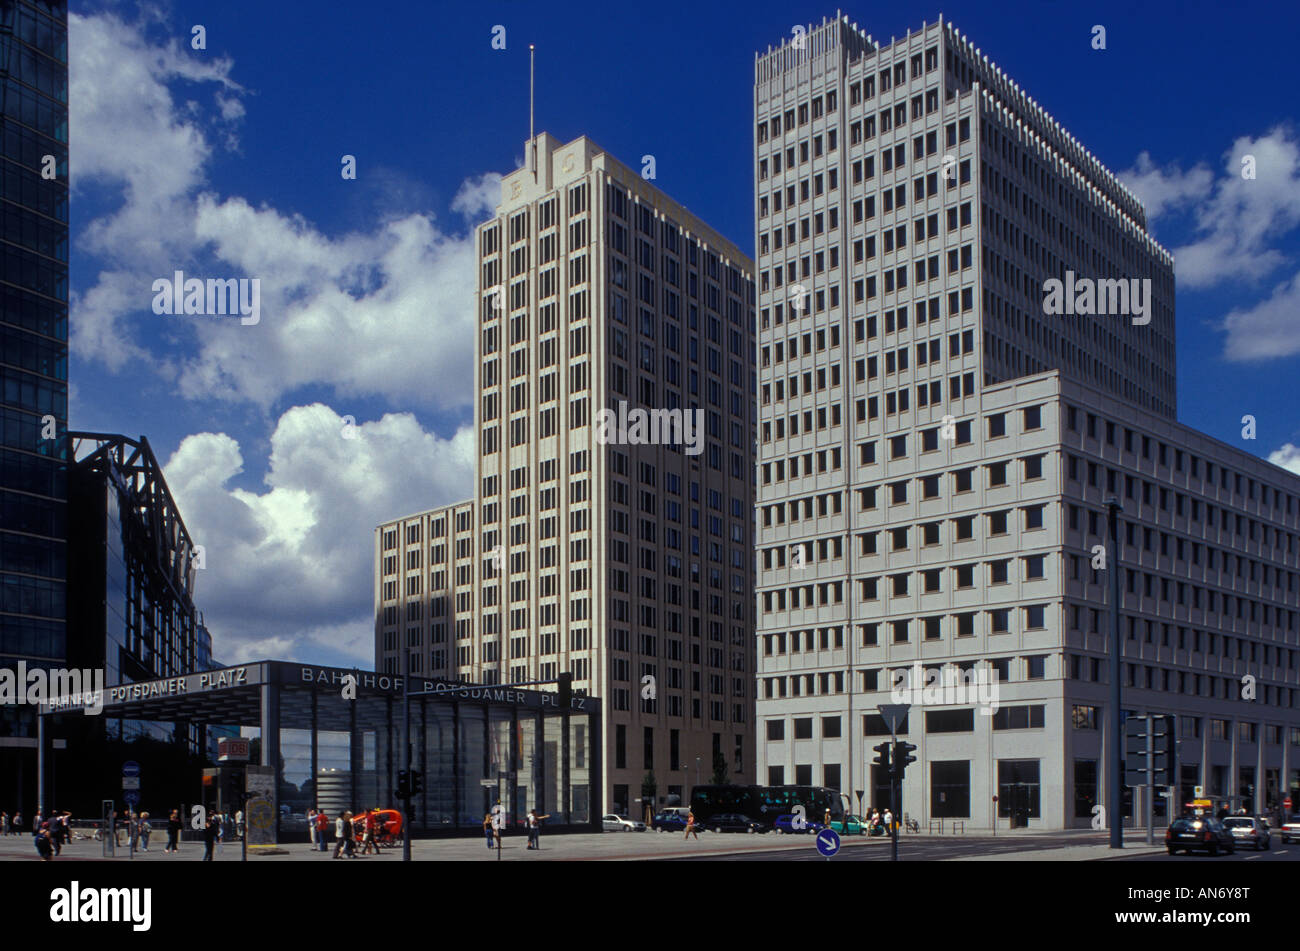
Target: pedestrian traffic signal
417,782
903,756
566,690
882,756
403,790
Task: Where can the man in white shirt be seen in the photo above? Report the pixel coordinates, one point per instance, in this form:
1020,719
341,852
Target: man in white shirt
889,822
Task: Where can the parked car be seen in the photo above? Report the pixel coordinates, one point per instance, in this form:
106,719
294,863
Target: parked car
735,822
1290,830
784,825
1203,833
850,825
670,820
1248,830
613,823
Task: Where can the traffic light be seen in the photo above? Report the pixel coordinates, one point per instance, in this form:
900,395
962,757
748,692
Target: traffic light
903,756
566,690
882,757
417,782
403,790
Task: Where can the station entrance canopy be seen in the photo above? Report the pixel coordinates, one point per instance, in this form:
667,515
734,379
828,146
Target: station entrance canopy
336,737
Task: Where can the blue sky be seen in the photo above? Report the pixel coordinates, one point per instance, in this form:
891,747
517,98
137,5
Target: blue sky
225,162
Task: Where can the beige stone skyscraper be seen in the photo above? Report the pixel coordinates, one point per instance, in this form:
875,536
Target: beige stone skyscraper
611,531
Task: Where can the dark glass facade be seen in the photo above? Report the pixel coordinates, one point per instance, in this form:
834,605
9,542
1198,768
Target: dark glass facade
33,361
133,567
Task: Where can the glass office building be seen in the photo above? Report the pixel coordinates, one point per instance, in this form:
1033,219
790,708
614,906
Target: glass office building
33,358
335,748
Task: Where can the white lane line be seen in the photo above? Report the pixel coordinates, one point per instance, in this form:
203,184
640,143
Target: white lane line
1249,857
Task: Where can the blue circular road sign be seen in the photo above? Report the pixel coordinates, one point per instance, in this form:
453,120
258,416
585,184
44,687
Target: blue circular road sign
828,842
131,798
130,768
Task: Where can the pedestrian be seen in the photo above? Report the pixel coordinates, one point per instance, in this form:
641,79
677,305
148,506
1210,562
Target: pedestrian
889,821
17,824
209,837
145,829
38,821
174,832
690,826
4,823
338,835
488,830
220,825
827,820
368,833
349,835
535,828
57,831
322,828
44,845
311,828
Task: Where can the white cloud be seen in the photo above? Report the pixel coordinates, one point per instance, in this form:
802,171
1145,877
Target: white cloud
478,198
291,567
1288,457
387,312
1166,189
1236,218
1267,330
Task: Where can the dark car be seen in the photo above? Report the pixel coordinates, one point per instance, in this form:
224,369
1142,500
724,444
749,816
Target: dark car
735,822
1199,833
671,822
786,825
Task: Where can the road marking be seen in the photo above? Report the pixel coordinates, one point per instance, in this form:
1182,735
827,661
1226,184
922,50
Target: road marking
1249,857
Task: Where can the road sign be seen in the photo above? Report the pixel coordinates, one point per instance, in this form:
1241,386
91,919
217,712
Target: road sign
131,798
893,714
828,842
131,782
1198,792
130,768
1286,803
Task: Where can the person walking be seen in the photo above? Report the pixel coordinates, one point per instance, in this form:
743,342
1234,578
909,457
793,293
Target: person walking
43,842
58,830
889,821
4,823
535,828
349,835
145,829
174,832
338,835
311,828
220,825
488,831
209,837
322,828
17,824
368,833
690,826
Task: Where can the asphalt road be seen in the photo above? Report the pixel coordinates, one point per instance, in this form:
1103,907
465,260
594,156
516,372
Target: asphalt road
918,849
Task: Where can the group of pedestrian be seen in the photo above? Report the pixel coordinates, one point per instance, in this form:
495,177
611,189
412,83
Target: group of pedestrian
532,824
881,823
49,835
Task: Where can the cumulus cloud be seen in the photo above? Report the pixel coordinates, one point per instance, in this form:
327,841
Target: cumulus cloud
1267,330
1288,457
1235,217
291,566
1163,190
386,312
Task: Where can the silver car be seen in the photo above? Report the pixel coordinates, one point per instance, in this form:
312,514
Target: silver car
613,823
1248,830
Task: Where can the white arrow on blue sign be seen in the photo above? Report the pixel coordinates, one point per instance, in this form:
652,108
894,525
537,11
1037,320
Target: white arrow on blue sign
828,842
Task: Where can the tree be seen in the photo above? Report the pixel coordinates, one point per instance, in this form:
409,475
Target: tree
719,769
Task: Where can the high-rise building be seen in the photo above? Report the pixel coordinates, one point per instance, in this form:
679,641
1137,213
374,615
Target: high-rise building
611,530
940,424
33,360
